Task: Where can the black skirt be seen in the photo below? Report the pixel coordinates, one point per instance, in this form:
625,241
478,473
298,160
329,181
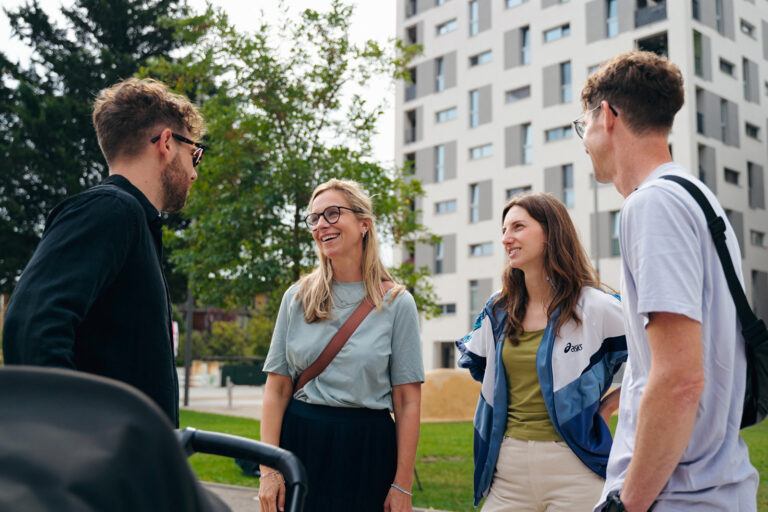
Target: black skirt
350,455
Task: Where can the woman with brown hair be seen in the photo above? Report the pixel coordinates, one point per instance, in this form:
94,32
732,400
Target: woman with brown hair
339,423
546,349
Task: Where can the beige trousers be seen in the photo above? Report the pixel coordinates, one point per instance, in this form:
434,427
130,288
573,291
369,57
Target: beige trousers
541,476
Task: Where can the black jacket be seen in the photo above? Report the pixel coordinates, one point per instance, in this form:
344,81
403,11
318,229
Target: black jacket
94,298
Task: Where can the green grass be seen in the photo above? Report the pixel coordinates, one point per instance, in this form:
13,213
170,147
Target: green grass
443,461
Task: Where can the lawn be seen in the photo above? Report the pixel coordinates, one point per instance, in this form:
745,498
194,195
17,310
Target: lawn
443,461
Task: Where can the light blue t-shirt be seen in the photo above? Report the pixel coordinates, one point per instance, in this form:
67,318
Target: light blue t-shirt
669,264
384,350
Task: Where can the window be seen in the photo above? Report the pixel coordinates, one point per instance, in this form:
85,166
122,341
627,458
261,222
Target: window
412,34
410,126
448,26
723,120
474,17
409,169
559,133
695,9
411,8
439,74
527,143
556,33
525,45
612,18
565,82
752,131
474,108
447,309
568,194
512,192
517,94
445,206
474,203
484,249
410,88
439,163
439,256
719,22
514,3
447,354
592,69
727,67
446,115
731,176
748,29
656,44
474,301
757,238
480,151
481,58
615,245
697,54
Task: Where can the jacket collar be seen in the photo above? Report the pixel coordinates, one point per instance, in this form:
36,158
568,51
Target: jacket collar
122,182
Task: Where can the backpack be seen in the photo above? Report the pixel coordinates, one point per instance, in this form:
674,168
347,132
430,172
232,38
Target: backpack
753,329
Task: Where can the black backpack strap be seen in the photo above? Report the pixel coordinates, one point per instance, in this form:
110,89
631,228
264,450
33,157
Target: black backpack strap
751,326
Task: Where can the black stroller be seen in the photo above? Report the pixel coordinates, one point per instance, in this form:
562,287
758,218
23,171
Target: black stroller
71,441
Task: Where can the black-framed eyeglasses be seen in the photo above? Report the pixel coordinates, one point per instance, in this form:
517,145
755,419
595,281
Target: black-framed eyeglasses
197,155
330,214
578,123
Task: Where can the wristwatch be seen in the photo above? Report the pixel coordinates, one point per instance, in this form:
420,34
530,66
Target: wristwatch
613,503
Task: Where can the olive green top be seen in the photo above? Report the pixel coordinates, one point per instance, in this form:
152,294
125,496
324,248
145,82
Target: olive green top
527,416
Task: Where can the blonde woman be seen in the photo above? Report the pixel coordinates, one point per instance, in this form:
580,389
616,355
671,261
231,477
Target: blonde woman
339,423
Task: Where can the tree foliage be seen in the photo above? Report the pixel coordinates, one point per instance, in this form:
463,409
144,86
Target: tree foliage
47,143
284,113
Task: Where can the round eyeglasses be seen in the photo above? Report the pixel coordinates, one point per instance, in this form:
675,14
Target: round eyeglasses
330,214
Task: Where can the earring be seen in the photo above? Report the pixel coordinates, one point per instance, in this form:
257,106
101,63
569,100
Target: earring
364,233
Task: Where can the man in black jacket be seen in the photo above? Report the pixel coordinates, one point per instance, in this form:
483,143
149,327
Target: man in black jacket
93,297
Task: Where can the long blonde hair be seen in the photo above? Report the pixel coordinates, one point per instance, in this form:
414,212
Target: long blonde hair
315,287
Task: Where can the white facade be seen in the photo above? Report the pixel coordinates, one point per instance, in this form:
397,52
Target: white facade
470,145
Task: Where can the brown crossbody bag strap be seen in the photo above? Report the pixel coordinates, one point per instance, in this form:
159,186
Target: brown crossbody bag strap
338,340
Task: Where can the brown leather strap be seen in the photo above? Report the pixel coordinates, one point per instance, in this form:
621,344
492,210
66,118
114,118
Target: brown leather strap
338,340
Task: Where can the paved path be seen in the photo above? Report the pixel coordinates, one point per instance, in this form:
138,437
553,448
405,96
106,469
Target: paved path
246,400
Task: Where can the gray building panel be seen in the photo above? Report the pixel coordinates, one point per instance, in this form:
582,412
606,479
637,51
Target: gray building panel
485,107
737,223
596,29
600,234
425,78
513,145
757,186
450,69
423,256
419,123
425,165
553,181
706,58
707,167
512,48
450,160
449,254
551,85
484,291
729,21
710,108
485,189
752,86
424,5
732,125
549,3
760,293
626,15
707,14
765,39
484,15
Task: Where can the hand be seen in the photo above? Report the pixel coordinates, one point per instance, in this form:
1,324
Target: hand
397,501
272,492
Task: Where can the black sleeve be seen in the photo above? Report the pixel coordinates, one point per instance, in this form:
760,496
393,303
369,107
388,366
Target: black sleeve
82,251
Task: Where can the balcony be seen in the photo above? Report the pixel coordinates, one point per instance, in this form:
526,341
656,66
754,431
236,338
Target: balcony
700,123
410,134
411,8
410,92
651,14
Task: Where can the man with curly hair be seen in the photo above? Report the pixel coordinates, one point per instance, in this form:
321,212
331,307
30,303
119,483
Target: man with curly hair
93,297
677,444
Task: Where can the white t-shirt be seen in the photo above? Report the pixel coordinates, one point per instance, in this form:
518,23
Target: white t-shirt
669,264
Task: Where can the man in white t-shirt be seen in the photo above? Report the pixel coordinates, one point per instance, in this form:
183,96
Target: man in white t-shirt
677,445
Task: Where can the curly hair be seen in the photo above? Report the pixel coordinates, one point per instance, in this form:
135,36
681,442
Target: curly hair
645,88
127,114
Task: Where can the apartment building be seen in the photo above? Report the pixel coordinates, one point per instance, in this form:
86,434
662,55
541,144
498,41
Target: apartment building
488,112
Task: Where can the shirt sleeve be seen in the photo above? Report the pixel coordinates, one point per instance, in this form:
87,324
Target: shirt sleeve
407,365
661,244
276,361
82,251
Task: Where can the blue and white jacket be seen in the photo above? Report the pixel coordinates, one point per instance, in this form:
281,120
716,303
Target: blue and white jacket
575,370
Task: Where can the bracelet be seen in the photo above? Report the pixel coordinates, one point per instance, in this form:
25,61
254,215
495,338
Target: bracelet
402,490
271,473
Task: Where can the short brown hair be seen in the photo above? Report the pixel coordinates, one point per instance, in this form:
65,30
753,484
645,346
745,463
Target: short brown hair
127,114
645,88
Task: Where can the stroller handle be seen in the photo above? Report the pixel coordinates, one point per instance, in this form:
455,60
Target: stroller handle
193,441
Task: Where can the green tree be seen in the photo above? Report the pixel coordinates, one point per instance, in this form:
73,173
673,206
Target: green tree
283,115
47,144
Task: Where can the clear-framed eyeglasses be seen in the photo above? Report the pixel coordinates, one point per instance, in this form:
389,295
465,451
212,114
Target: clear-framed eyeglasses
578,124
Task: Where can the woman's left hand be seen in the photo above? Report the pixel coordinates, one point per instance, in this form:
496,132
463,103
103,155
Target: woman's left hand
397,501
